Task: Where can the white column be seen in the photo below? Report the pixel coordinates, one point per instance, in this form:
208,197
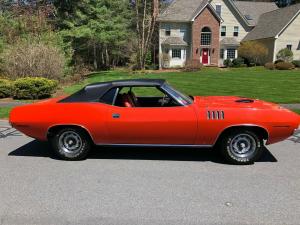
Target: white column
225,53
170,54
236,53
183,57
274,49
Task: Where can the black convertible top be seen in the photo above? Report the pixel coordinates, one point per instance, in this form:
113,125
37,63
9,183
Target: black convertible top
93,92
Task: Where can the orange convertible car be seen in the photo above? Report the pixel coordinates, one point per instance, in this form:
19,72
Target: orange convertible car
149,112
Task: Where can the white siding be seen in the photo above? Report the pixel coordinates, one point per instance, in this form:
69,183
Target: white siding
176,62
182,30
230,20
290,36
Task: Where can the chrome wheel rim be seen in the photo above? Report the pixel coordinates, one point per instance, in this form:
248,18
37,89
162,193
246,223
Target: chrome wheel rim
70,142
242,145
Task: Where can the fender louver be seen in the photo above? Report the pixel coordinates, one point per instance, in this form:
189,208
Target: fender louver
215,115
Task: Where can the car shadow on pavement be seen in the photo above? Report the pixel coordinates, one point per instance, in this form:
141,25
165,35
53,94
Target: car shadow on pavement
43,149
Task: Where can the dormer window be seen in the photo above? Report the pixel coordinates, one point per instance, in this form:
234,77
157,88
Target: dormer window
248,17
219,9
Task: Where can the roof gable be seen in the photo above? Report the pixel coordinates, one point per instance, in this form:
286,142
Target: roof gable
202,7
272,24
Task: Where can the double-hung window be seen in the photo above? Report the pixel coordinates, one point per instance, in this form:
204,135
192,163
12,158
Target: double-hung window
230,53
219,9
236,31
223,31
176,53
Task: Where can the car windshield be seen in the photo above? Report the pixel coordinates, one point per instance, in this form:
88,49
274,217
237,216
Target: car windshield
181,98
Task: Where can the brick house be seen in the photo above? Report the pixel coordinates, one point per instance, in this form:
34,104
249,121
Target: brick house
211,30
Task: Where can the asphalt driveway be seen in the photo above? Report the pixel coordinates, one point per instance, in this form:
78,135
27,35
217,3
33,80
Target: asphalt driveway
146,186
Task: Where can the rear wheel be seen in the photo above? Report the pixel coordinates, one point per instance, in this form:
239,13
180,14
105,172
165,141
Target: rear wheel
241,147
71,144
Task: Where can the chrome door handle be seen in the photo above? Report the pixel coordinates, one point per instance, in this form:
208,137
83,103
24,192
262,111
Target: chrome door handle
116,115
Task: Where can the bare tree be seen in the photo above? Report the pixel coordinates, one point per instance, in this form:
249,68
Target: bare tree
146,17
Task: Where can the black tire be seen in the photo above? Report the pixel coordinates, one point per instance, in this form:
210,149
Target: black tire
71,144
241,147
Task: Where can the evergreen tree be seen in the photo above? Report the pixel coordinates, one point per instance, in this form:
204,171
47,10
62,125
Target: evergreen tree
97,28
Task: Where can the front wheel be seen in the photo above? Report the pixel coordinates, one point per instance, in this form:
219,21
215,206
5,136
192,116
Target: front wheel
241,147
71,144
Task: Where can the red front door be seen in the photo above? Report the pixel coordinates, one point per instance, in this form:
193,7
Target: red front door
205,55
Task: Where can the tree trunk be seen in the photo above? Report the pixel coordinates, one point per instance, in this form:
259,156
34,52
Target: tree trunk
107,58
145,28
95,56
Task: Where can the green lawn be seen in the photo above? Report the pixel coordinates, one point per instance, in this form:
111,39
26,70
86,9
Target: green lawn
4,112
270,85
297,111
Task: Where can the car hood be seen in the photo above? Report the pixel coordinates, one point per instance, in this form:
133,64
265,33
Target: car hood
234,102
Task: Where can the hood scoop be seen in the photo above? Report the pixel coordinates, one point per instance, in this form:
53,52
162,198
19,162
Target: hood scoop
244,100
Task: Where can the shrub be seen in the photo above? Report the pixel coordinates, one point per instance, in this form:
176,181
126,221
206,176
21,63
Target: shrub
285,54
228,63
285,66
270,66
238,62
193,65
33,60
278,61
6,88
253,51
296,63
34,88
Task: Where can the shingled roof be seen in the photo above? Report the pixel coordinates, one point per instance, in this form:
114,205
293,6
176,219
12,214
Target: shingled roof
174,41
182,10
251,11
272,23
229,41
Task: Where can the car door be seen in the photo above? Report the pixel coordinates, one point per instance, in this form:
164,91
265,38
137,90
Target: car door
143,124
158,125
